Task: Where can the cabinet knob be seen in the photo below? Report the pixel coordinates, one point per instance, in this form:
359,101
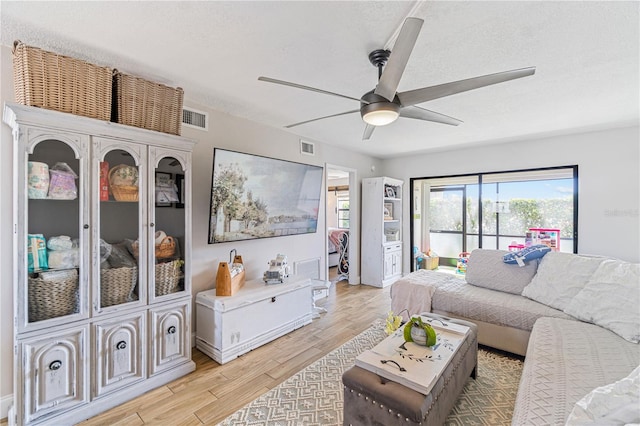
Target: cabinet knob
152,224
121,345
273,299
172,329
55,365
86,226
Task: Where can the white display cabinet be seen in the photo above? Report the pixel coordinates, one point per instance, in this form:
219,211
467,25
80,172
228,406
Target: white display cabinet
381,248
101,271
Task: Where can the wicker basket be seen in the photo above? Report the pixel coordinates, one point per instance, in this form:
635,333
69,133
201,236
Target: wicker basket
149,105
122,192
51,81
430,263
168,277
117,285
166,248
52,298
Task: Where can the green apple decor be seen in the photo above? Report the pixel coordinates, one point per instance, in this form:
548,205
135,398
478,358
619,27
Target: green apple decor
419,332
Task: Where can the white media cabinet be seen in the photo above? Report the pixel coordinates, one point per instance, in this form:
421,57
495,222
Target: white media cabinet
229,326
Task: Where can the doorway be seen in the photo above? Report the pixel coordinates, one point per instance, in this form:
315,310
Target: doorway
341,224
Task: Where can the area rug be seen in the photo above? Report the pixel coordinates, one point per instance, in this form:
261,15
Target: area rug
313,396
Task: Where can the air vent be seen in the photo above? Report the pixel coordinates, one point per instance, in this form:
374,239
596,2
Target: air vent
195,119
307,148
309,268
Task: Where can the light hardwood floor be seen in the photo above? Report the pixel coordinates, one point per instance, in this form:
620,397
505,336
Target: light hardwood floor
214,391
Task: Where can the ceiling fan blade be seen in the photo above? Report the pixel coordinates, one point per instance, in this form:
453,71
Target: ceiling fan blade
322,118
417,96
402,48
368,130
300,86
427,115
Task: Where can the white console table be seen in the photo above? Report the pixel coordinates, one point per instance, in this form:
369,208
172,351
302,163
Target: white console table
229,326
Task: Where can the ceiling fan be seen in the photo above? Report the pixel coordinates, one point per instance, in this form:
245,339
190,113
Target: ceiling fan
384,105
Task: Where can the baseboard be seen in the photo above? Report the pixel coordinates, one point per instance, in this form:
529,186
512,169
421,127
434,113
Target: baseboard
5,403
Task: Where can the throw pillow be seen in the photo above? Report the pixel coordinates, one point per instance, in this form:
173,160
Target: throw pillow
560,277
611,299
526,255
486,269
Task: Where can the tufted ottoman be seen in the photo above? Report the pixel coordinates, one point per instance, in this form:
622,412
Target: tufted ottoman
372,400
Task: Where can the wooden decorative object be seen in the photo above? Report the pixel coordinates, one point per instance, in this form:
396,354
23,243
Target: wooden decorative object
226,285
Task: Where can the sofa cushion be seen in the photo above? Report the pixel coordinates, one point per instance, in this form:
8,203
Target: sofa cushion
566,360
611,299
486,268
457,298
560,277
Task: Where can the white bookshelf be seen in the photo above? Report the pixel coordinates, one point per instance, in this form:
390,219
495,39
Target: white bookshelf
381,231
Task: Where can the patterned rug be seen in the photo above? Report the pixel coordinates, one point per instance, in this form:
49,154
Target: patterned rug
314,395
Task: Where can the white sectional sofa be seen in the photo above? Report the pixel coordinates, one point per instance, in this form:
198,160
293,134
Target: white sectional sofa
575,318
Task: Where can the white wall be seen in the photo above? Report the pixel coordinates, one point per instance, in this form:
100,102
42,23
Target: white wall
224,132
608,181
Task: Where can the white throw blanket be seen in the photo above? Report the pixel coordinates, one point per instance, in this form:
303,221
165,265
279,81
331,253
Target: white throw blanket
413,293
614,404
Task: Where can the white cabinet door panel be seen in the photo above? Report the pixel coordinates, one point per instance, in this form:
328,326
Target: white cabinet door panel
54,373
120,350
170,336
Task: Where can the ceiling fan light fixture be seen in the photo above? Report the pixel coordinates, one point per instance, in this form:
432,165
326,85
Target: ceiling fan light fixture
380,114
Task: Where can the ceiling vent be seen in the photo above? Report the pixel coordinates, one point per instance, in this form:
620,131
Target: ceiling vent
195,119
307,148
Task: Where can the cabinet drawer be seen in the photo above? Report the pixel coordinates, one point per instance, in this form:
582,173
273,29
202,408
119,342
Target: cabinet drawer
54,373
392,247
119,353
169,338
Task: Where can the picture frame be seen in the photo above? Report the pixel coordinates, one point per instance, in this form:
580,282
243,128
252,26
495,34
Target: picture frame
390,192
388,211
163,178
253,197
180,186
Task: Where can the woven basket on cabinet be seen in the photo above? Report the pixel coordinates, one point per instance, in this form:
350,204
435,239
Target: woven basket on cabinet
117,285
122,192
166,248
143,103
168,275
51,299
51,81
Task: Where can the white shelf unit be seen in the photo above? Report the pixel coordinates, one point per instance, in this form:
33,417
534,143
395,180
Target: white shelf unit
106,332
381,231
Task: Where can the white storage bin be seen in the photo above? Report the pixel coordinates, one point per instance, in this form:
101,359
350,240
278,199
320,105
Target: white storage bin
229,326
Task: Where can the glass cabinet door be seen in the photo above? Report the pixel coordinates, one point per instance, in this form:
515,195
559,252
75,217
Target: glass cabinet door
56,228
168,231
119,240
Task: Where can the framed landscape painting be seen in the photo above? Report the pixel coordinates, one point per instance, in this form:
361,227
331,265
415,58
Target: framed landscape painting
261,197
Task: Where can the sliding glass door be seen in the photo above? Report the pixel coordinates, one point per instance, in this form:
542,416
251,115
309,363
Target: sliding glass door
499,210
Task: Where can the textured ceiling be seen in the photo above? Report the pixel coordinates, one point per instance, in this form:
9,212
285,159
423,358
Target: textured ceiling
586,54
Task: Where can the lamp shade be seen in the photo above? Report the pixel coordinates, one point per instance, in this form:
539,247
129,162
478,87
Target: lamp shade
380,113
